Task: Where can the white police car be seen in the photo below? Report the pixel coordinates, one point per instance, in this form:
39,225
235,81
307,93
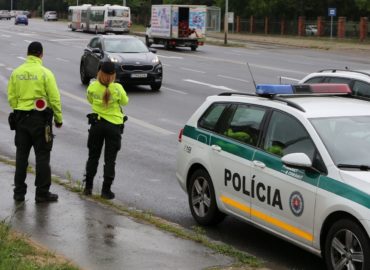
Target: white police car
296,165
358,81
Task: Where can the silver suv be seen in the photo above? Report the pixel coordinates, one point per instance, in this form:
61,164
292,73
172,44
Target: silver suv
358,81
50,16
4,14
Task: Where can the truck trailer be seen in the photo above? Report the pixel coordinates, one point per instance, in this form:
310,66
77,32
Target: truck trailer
177,26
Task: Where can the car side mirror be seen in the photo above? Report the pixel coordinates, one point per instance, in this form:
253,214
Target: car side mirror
297,160
96,50
152,50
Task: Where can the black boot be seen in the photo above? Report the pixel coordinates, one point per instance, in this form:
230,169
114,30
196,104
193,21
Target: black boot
106,193
88,187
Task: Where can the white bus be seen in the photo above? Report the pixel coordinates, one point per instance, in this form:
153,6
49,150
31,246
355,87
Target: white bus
100,19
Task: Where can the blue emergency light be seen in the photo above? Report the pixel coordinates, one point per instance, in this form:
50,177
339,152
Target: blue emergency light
288,89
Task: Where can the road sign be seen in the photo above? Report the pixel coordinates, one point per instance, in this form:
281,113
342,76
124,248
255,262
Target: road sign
332,12
230,17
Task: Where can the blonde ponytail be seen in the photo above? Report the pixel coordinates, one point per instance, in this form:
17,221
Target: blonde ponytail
106,79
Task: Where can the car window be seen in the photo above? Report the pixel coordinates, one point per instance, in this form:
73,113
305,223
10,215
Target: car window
286,135
361,89
338,80
212,115
245,124
95,43
127,45
315,80
346,138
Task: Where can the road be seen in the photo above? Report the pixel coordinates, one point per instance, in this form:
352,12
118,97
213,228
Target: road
145,171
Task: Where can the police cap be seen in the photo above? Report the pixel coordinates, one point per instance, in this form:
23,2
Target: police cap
35,48
108,67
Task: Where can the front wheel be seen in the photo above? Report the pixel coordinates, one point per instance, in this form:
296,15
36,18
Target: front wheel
84,78
347,247
202,199
156,86
194,48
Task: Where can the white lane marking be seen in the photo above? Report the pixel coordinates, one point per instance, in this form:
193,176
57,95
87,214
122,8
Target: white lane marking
132,119
170,57
25,34
69,39
166,65
28,41
22,58
233,78
244,63
7,36
61,59
288,78
2,65
210,85
278,69
174,90
193,70
9,68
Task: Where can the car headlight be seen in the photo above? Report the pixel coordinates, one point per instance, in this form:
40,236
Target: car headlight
158,68
155,60
113,59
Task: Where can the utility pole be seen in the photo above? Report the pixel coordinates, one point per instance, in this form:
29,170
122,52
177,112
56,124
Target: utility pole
11,5
124,3
42,9
226,24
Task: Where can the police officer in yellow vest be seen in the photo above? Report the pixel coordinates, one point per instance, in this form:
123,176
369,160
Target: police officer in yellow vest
34,96
107,122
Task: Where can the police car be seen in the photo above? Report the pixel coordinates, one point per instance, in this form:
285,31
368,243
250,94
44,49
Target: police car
292,160
358,81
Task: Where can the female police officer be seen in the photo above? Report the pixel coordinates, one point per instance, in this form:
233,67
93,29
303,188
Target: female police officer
106,98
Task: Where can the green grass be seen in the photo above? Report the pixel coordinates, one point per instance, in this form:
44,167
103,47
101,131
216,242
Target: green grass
18,254
138,28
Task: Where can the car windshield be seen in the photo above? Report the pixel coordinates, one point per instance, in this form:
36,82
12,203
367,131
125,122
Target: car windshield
129,45
347,140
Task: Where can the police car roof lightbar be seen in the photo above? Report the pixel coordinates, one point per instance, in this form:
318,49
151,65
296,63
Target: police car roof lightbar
303,89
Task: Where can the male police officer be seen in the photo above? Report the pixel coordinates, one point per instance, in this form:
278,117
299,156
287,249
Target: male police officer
34,96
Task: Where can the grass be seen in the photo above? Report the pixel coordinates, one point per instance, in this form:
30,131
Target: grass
19,253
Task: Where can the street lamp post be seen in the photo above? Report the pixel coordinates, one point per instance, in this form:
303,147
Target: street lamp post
226,24
42,9
11,5
124,3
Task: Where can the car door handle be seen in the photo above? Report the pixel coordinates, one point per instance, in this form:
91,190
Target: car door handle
216,148
259,164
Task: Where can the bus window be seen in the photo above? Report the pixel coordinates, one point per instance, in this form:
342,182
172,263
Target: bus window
97,16
118,13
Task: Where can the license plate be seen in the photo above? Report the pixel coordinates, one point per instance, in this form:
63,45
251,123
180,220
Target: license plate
139,75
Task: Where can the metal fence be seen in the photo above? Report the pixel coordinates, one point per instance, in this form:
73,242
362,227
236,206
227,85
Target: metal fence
352,28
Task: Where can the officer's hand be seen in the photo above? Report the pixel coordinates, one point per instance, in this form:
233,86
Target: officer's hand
58,125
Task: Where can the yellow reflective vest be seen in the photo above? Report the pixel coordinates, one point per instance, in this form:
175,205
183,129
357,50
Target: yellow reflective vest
113,112
32,81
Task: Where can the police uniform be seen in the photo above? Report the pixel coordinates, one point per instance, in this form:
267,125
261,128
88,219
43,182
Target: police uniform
107,122
28,84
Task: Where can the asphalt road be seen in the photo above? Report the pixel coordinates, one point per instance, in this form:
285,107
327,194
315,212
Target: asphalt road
145,171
